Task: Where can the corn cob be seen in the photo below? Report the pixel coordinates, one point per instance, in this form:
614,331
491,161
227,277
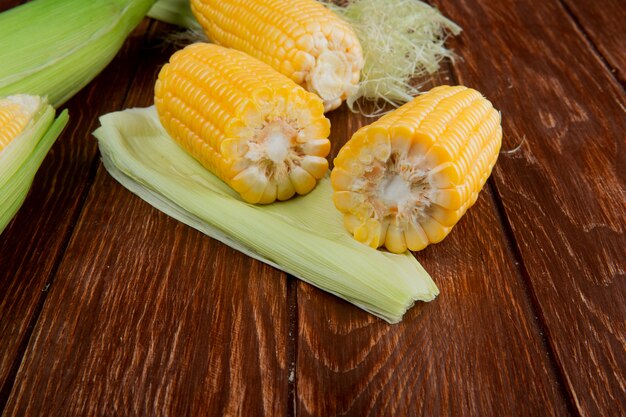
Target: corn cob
406,180
301,39
252,127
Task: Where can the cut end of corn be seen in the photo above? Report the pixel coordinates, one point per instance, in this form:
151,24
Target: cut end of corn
404,181
302,39
16,112
251,126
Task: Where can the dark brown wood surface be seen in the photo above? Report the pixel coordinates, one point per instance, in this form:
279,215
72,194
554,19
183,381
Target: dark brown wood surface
603,22
563,192
162,306
109,307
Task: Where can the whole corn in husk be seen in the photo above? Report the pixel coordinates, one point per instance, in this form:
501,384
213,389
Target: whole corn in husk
54,48
303,237
27,131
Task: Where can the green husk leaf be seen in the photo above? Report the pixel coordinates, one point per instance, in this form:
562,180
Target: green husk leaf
304,236
21,159
54,48
175,12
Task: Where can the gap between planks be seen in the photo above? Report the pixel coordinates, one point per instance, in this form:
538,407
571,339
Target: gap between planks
522,274
5,390
292,344
584,34
515,254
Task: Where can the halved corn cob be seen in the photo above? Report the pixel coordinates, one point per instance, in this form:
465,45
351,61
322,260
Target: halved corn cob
406,180
302,39
254,128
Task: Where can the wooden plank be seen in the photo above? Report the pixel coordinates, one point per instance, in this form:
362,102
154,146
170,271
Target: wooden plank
603,21
563,190
149,317
184,326
31,246
476,350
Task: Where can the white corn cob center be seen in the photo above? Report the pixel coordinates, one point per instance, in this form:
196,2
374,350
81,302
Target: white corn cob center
404,181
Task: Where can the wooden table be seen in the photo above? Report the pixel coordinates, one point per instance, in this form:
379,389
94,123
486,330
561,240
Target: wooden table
109,307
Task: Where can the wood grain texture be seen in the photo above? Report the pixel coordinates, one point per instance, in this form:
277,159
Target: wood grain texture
147,317
155,320
476,350
563,190
603,21
31,246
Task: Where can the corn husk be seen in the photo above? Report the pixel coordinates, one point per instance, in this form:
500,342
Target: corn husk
54,48
175,12
304,236
21,158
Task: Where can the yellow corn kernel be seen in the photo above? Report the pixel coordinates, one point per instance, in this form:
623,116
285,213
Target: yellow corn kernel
301,39
252,127
404,181
15,113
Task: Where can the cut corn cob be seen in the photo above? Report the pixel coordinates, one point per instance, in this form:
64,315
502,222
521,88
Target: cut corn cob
302,39
27,131
406,180
252,127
